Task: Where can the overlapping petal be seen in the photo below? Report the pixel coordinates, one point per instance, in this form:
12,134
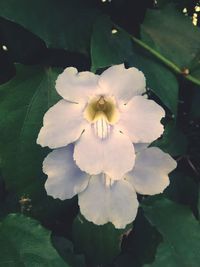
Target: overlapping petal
101,203
63,124
140,120
114,155
140,146
122,83
150,173
76,86
65,179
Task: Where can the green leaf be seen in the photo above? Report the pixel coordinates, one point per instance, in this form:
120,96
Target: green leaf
165,257
23,102
24,242
183,189
159,79
61,24
100,244
173,140
109,45
140,245
166,31
66,250
195,109
180,231
199,202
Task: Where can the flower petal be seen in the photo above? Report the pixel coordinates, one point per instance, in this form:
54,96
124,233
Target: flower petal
140,120
101,203
76,87
65,179
140,146
150,173
114,155
63,124
122,83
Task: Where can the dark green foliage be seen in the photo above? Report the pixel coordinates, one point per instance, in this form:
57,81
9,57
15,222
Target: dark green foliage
24,242
93,35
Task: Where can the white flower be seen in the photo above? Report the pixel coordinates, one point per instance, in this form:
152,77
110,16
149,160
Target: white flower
111,125
104,115
100,198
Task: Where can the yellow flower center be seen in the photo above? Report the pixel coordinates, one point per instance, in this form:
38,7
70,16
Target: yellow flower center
102,113
102,107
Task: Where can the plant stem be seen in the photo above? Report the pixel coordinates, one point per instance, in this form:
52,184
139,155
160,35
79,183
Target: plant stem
166,61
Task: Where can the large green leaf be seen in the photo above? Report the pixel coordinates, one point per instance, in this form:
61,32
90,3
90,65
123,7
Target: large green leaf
24,242
174,36
100,244
23,102
195,109
66,250
180,231
165,257
109,45
199,202
183,189
140,245
61,24
173,140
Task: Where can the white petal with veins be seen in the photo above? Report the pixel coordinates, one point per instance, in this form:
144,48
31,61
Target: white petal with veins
102,128
101,203
140,120
104,115
122,83
65,179
113,155
76,86
63,124
150,173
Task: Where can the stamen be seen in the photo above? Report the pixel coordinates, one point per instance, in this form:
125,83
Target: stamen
101,101
102,127
101,104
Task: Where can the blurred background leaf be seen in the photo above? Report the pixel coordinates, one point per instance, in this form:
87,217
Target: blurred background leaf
61,24
24,100
166,30
173,140
180,231
66,250
24,242
95,34
109,45
100,244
